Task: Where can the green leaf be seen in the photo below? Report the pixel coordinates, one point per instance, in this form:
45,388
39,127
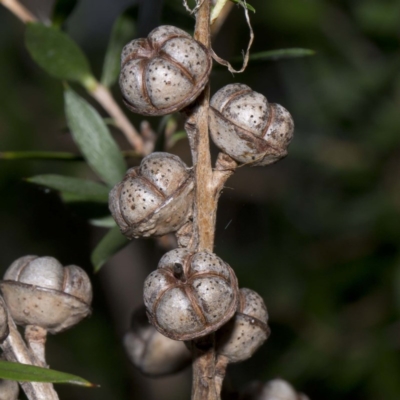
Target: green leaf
40,155
29,373
123,31
110,244
82,189
62,11
273,55
244,4
94,139
176,137
57,53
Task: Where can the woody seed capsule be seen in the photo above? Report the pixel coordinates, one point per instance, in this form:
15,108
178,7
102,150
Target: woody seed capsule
153,199
248,128
190,294
164,72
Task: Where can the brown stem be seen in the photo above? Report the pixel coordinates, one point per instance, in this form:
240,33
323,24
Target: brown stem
205,208
15,350
204,369
197,124
220,372
35,337
106,100
19,10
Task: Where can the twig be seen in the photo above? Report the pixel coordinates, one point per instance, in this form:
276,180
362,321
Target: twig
35,337
220,372
204,369
19,10
107,101
197,129
203,387
14,349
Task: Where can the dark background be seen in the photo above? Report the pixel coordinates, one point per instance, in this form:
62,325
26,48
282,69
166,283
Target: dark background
317,234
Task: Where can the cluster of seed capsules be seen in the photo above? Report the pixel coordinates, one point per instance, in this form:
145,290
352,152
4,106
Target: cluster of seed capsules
191,294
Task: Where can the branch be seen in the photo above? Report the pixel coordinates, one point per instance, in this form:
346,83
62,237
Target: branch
107,101
19,10
14,349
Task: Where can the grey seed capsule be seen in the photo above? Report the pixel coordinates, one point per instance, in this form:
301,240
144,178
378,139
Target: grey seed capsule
164,72
40,291
240,338
248,128
190,294
276,389
155,198
151,352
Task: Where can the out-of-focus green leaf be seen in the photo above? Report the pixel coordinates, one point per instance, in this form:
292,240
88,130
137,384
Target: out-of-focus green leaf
94,139
29,373
110,244
278,54
105,222
176,137
244,4
123,31
39,155
62,10
57,53
84,190
272,55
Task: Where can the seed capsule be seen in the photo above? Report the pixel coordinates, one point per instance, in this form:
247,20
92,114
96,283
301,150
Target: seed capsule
239,339
248,128
151,352
40,291
164,72
153,199
190,294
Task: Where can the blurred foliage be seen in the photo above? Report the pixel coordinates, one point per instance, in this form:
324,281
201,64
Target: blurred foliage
317,235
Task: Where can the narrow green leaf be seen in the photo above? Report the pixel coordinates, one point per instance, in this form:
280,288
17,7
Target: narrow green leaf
244,4
94,139
40,155
123,31
273,55
111,243
83,189
29,373
57,53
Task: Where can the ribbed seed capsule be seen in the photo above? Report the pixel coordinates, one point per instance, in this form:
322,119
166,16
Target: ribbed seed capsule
246,331
164,72
190,294
248,128
155,198
151,352
40,291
